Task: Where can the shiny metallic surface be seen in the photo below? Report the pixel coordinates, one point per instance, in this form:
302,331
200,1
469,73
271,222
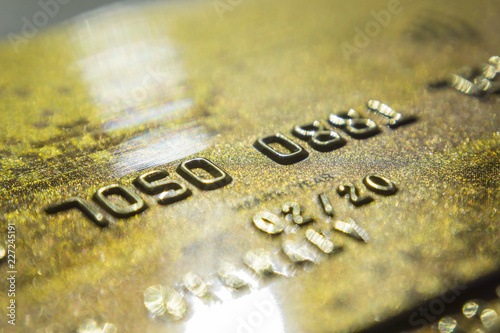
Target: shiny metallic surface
320,241
448,325
298,251
91,326
268,222
232,277
352,229
3,252
477,316
164,301
472,308
123,91
490,320
195,285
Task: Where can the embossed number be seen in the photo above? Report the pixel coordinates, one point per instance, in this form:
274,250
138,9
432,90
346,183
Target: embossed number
379,184
135,202
82,205
352,123
295,155
351,192
156,182
220,177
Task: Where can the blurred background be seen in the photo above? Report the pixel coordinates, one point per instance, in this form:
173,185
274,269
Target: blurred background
13,11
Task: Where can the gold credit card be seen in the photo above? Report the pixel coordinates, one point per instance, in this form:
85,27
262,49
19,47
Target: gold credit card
251,166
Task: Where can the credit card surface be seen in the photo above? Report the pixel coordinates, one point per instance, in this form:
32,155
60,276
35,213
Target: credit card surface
250,166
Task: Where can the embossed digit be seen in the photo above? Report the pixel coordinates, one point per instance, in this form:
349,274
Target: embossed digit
325,141
305,132
361,128
220,177
135,202
351,192
396,119
325,203
340,119
379,184
268,222
157,182
318,137
295,155
352,123
82,205
294,213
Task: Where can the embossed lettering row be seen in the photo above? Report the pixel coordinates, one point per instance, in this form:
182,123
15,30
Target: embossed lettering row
153,183
323,139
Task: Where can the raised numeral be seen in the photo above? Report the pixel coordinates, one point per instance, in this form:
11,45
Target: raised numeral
325,203
135,202
325,141
379,184
220,177
319,137
340,119
396,119
305,132
295,155
352,123
82,205
351,192
268,222
361,128
156,182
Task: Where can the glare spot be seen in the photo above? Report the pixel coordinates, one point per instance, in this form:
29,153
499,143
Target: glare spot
164,301
257,311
